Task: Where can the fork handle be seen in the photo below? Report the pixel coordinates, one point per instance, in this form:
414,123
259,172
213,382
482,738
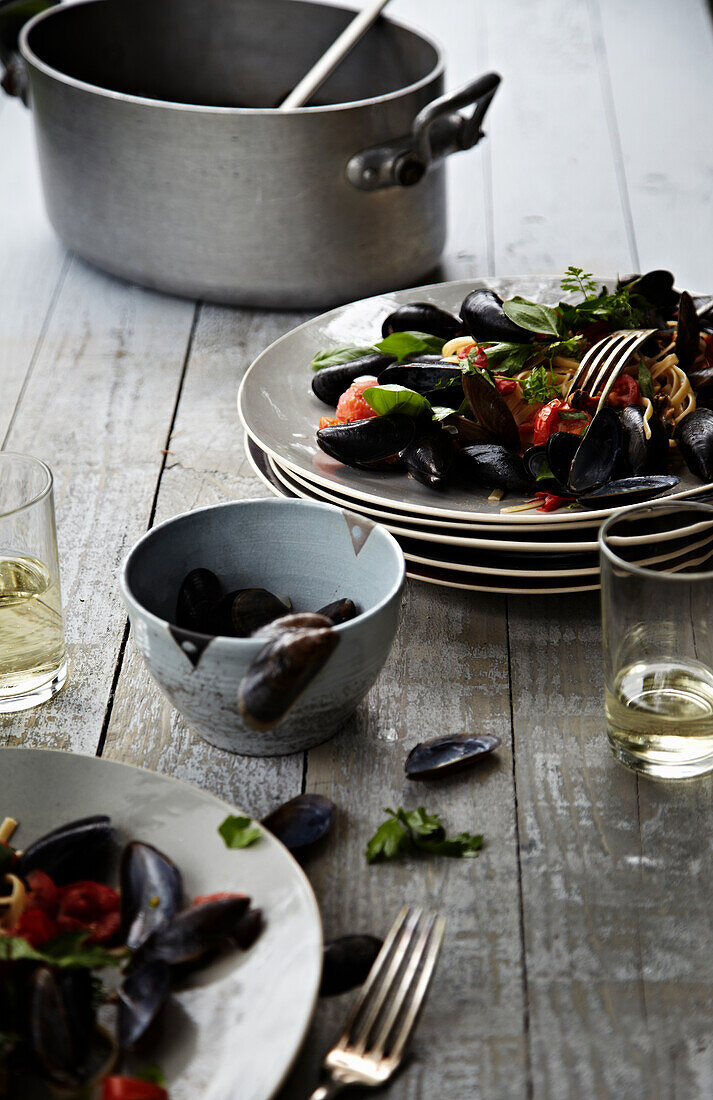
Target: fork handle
328,1090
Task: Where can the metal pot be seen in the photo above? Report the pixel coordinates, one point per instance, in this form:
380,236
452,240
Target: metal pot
164,161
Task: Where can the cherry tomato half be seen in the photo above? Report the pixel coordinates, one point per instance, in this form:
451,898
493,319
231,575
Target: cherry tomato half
116,1087
556,416
625,391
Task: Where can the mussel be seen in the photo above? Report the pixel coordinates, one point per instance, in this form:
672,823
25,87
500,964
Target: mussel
485,319
694,436
244,611
493,467
450,753
491,410
61,1023
597,454
423,317
280,673
304,620
339,611
656,287
248,929
196,931
628,490
151,892
643,455
688,331
329,383
346,963
141,996
78,850
429,458
199,592
301,822
423,377
364,442
560,449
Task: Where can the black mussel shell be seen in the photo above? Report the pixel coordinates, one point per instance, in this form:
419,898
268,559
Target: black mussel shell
423,377
61,1023
141,995
484,318
534,460
446,397
423,317
642,455
329,383
561,448
429,458
241,613
491,410
451,753
493,467
282,670
658,289
364,442
151,892
597,453
346,962
302,821
248,929
467,431
199,592
694,436
688,331
303,620
196,931
339,611
704,310
628,490
78,850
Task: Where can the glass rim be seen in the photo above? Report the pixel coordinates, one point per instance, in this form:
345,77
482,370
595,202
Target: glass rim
642,570
41,494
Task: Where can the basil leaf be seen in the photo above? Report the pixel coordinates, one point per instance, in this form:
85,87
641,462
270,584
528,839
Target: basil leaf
646,382
154,1075
393,398
402,344
332,357
572,415
544,473
238,832
510,358
68,950
533,316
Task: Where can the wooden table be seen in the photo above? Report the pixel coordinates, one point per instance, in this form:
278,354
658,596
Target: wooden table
579,952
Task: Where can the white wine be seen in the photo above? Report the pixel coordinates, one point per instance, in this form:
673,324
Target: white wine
660,717
31,634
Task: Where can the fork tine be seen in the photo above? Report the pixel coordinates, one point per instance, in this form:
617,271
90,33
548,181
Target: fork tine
592,360
418,994
406,982
631,346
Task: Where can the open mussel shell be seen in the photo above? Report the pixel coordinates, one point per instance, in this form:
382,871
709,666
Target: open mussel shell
248,929
491,410
151,892
629,490
493,467
364,442
467,431
141,997
61,1023
196,931
429,458
339,611
78,850
329,383
301,822
199,592
423,317
560,449
346,962
303,620
656,287
244,611
597,454
450,753
643,455
282,670
423,377
536,462
688,331
694,436
484,318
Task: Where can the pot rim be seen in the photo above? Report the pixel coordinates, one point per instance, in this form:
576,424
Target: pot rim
32,59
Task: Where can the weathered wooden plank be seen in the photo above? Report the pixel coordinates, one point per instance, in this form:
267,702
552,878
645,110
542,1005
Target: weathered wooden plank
32,261
97,407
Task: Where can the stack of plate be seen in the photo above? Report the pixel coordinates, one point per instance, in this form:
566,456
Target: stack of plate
456,538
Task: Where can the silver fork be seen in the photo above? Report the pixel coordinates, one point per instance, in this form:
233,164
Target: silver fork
373,1043
603,364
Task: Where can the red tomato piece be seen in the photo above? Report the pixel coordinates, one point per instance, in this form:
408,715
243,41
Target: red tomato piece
549,419
552,502
465,351
352,406
42,893
625,391
35,927
116,1087
91,907
328,421
201,899
504,384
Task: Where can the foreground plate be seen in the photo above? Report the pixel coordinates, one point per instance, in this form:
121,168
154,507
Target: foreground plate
280,412
237,1029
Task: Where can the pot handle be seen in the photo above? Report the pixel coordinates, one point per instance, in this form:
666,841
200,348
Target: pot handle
438,130
13,16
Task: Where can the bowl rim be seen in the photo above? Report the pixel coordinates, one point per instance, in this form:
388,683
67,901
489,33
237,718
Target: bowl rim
135,606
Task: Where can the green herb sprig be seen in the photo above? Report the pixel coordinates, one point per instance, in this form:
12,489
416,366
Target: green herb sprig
410,832
239,832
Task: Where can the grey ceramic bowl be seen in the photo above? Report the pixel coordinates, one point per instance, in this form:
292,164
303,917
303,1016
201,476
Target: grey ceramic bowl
314,553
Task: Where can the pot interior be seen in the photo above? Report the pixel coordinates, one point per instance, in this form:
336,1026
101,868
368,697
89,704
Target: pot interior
224,53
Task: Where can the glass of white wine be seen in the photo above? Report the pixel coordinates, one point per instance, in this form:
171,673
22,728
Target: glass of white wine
33,663
657,630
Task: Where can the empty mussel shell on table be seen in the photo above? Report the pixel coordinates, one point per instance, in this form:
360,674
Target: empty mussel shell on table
78,850
240,613
450,753
485,320
301,822
151,892
491,410
597,454
199,592
141,997
339,611
429,457
196,931
423,317
302,620
346,962
280,672
364,442
642,453
629,490
694,436
329,383
493,467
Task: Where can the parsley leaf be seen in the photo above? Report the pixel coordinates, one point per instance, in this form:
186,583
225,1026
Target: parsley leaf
407,832
403,344
239,832
332,357
533,316
575,279
540,387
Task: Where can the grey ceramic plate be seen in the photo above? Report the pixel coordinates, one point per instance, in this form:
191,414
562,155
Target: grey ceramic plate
280,412
236,1030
